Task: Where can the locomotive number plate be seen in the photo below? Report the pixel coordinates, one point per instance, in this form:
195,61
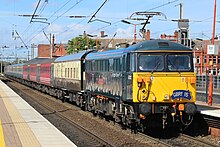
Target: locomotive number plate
181,94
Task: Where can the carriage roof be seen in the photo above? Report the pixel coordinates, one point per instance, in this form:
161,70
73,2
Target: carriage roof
74,56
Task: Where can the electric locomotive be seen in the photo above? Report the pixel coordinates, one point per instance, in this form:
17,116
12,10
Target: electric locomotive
152,80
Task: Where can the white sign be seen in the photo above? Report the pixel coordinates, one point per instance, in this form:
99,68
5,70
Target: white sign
212,50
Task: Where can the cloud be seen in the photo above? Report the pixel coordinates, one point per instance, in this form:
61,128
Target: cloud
63,33
56,28
125,33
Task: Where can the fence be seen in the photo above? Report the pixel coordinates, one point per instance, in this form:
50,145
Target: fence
202,83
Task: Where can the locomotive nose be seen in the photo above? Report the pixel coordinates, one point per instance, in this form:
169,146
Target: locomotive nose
190,108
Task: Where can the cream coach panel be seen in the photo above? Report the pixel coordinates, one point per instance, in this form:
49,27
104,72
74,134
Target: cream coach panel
69,70
72,70
57,70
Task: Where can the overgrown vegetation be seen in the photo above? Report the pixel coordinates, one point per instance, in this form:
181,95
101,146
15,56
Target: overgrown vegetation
80,43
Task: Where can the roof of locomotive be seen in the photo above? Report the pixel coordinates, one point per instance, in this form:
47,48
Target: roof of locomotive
158,45
74,56
150,45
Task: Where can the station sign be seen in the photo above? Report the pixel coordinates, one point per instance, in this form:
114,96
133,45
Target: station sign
212,49
183,24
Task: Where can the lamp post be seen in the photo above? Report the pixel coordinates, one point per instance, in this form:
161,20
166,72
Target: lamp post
1,55
211,64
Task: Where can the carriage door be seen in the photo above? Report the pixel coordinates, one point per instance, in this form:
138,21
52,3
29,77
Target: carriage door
38,72
52,74
124,77
128,69
28,72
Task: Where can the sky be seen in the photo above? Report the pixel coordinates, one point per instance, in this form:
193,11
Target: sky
54,18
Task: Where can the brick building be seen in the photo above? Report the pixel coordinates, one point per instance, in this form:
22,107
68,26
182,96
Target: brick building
44,50
204,60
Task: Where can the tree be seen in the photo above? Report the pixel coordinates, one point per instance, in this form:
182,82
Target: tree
80,43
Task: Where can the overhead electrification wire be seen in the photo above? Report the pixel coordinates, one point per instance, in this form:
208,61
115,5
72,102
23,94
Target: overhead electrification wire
101,28
21,40
35,10
90,20
59,9
163,5
48,18
43,7
168,3
67,10
78,2
40,12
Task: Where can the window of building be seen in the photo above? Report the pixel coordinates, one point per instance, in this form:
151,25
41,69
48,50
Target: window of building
210,59
197,59
214,71
214,60
204,59
198,70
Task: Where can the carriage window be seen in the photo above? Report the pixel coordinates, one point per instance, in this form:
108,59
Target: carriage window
111,64
74,72
77,74
151,63
178,62
65,72
116,64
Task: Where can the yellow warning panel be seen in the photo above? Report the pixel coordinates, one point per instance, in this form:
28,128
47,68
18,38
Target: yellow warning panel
2,141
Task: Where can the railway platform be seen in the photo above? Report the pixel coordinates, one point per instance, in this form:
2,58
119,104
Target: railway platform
21,125
212,116
204,108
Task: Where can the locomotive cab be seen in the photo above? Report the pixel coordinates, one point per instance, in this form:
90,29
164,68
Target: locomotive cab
164,83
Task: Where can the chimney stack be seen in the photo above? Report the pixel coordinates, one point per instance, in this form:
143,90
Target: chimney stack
148,35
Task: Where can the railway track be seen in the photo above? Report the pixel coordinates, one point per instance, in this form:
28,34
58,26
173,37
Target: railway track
94,140
91,138
181,140
185,140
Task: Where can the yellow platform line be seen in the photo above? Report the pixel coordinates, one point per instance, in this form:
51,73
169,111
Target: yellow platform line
25,133
2,141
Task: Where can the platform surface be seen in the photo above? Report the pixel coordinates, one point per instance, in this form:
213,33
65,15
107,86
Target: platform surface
22,126
204,108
